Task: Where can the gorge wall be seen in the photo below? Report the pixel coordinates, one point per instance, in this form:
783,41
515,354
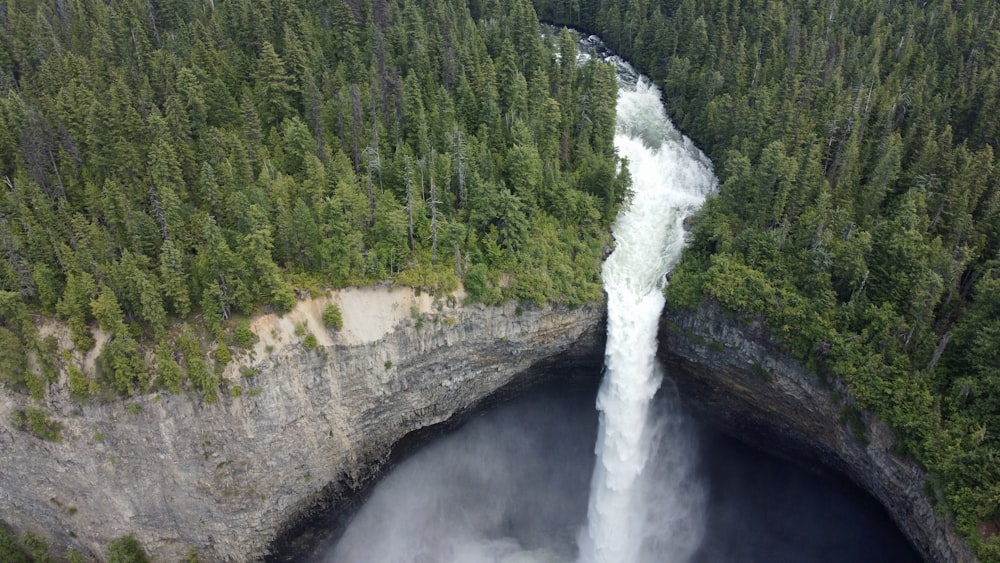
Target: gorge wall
737,376
228,478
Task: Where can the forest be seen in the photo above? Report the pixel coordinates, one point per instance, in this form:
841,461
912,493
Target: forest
858,214
171,168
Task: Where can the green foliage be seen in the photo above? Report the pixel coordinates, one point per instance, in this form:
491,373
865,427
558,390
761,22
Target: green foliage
171,376
11,549
201,173
245,338
37,422
858,202
479,286
310,342
80,388
37,547
13,361
121,367
332,317
126,549
201,378
222,355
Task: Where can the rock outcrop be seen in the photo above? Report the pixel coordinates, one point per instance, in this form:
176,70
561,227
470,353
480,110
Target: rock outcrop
736,375
313,425
226,479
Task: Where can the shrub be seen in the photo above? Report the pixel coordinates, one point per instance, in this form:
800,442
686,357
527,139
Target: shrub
283,298
80,387
222,355
122,366
310,342
479,286
35,420
332,317
245,337
11,550
126,549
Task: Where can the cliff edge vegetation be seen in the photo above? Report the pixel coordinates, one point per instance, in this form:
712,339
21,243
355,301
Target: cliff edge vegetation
170,168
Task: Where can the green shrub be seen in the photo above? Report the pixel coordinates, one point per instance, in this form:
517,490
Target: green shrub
37,547
479,286
283,298
245,337
35,420
11,550
13,361
171,374
126,549
332,317
80,387
222,355
310,342
121,365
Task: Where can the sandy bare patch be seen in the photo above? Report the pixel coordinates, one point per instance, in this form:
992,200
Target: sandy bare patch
90,360
369,313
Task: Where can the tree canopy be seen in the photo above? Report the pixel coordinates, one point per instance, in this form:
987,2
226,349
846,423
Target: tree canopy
205,160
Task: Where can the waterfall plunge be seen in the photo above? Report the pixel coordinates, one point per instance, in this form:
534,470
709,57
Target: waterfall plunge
460,503
670,180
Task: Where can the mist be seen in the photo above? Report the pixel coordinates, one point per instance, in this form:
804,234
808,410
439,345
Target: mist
511,486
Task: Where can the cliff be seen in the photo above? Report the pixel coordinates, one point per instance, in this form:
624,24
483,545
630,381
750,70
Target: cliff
227,479
313,426
736,375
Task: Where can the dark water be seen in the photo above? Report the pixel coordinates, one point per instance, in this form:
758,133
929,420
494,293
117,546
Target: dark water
511,485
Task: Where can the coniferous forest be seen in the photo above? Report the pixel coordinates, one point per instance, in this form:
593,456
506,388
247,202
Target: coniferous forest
200,162
859,206
171,167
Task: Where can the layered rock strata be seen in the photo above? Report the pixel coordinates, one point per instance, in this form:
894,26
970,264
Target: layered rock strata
737,376
228,478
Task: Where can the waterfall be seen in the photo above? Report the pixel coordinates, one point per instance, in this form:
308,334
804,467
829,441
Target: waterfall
670,179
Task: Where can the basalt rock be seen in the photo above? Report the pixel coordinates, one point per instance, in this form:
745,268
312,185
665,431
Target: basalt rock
312,426
227,479
737,376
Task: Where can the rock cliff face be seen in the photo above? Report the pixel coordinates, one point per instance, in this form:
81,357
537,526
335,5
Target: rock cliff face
228,478
737,376
311,426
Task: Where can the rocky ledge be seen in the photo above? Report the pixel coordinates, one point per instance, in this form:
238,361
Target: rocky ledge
310,421
737,376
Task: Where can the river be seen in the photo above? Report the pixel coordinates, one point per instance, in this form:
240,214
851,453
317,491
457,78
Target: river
527,483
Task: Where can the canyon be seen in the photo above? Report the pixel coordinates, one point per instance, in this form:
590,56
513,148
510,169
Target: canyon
236,480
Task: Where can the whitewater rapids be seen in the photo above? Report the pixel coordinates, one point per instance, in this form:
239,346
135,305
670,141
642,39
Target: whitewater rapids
671,178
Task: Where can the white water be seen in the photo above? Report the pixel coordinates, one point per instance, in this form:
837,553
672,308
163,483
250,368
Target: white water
513,492
627,521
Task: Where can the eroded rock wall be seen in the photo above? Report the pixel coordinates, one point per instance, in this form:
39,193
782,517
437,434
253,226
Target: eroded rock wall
740,378
227,478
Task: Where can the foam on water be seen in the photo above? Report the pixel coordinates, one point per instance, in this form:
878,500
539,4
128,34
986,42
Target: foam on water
670,181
